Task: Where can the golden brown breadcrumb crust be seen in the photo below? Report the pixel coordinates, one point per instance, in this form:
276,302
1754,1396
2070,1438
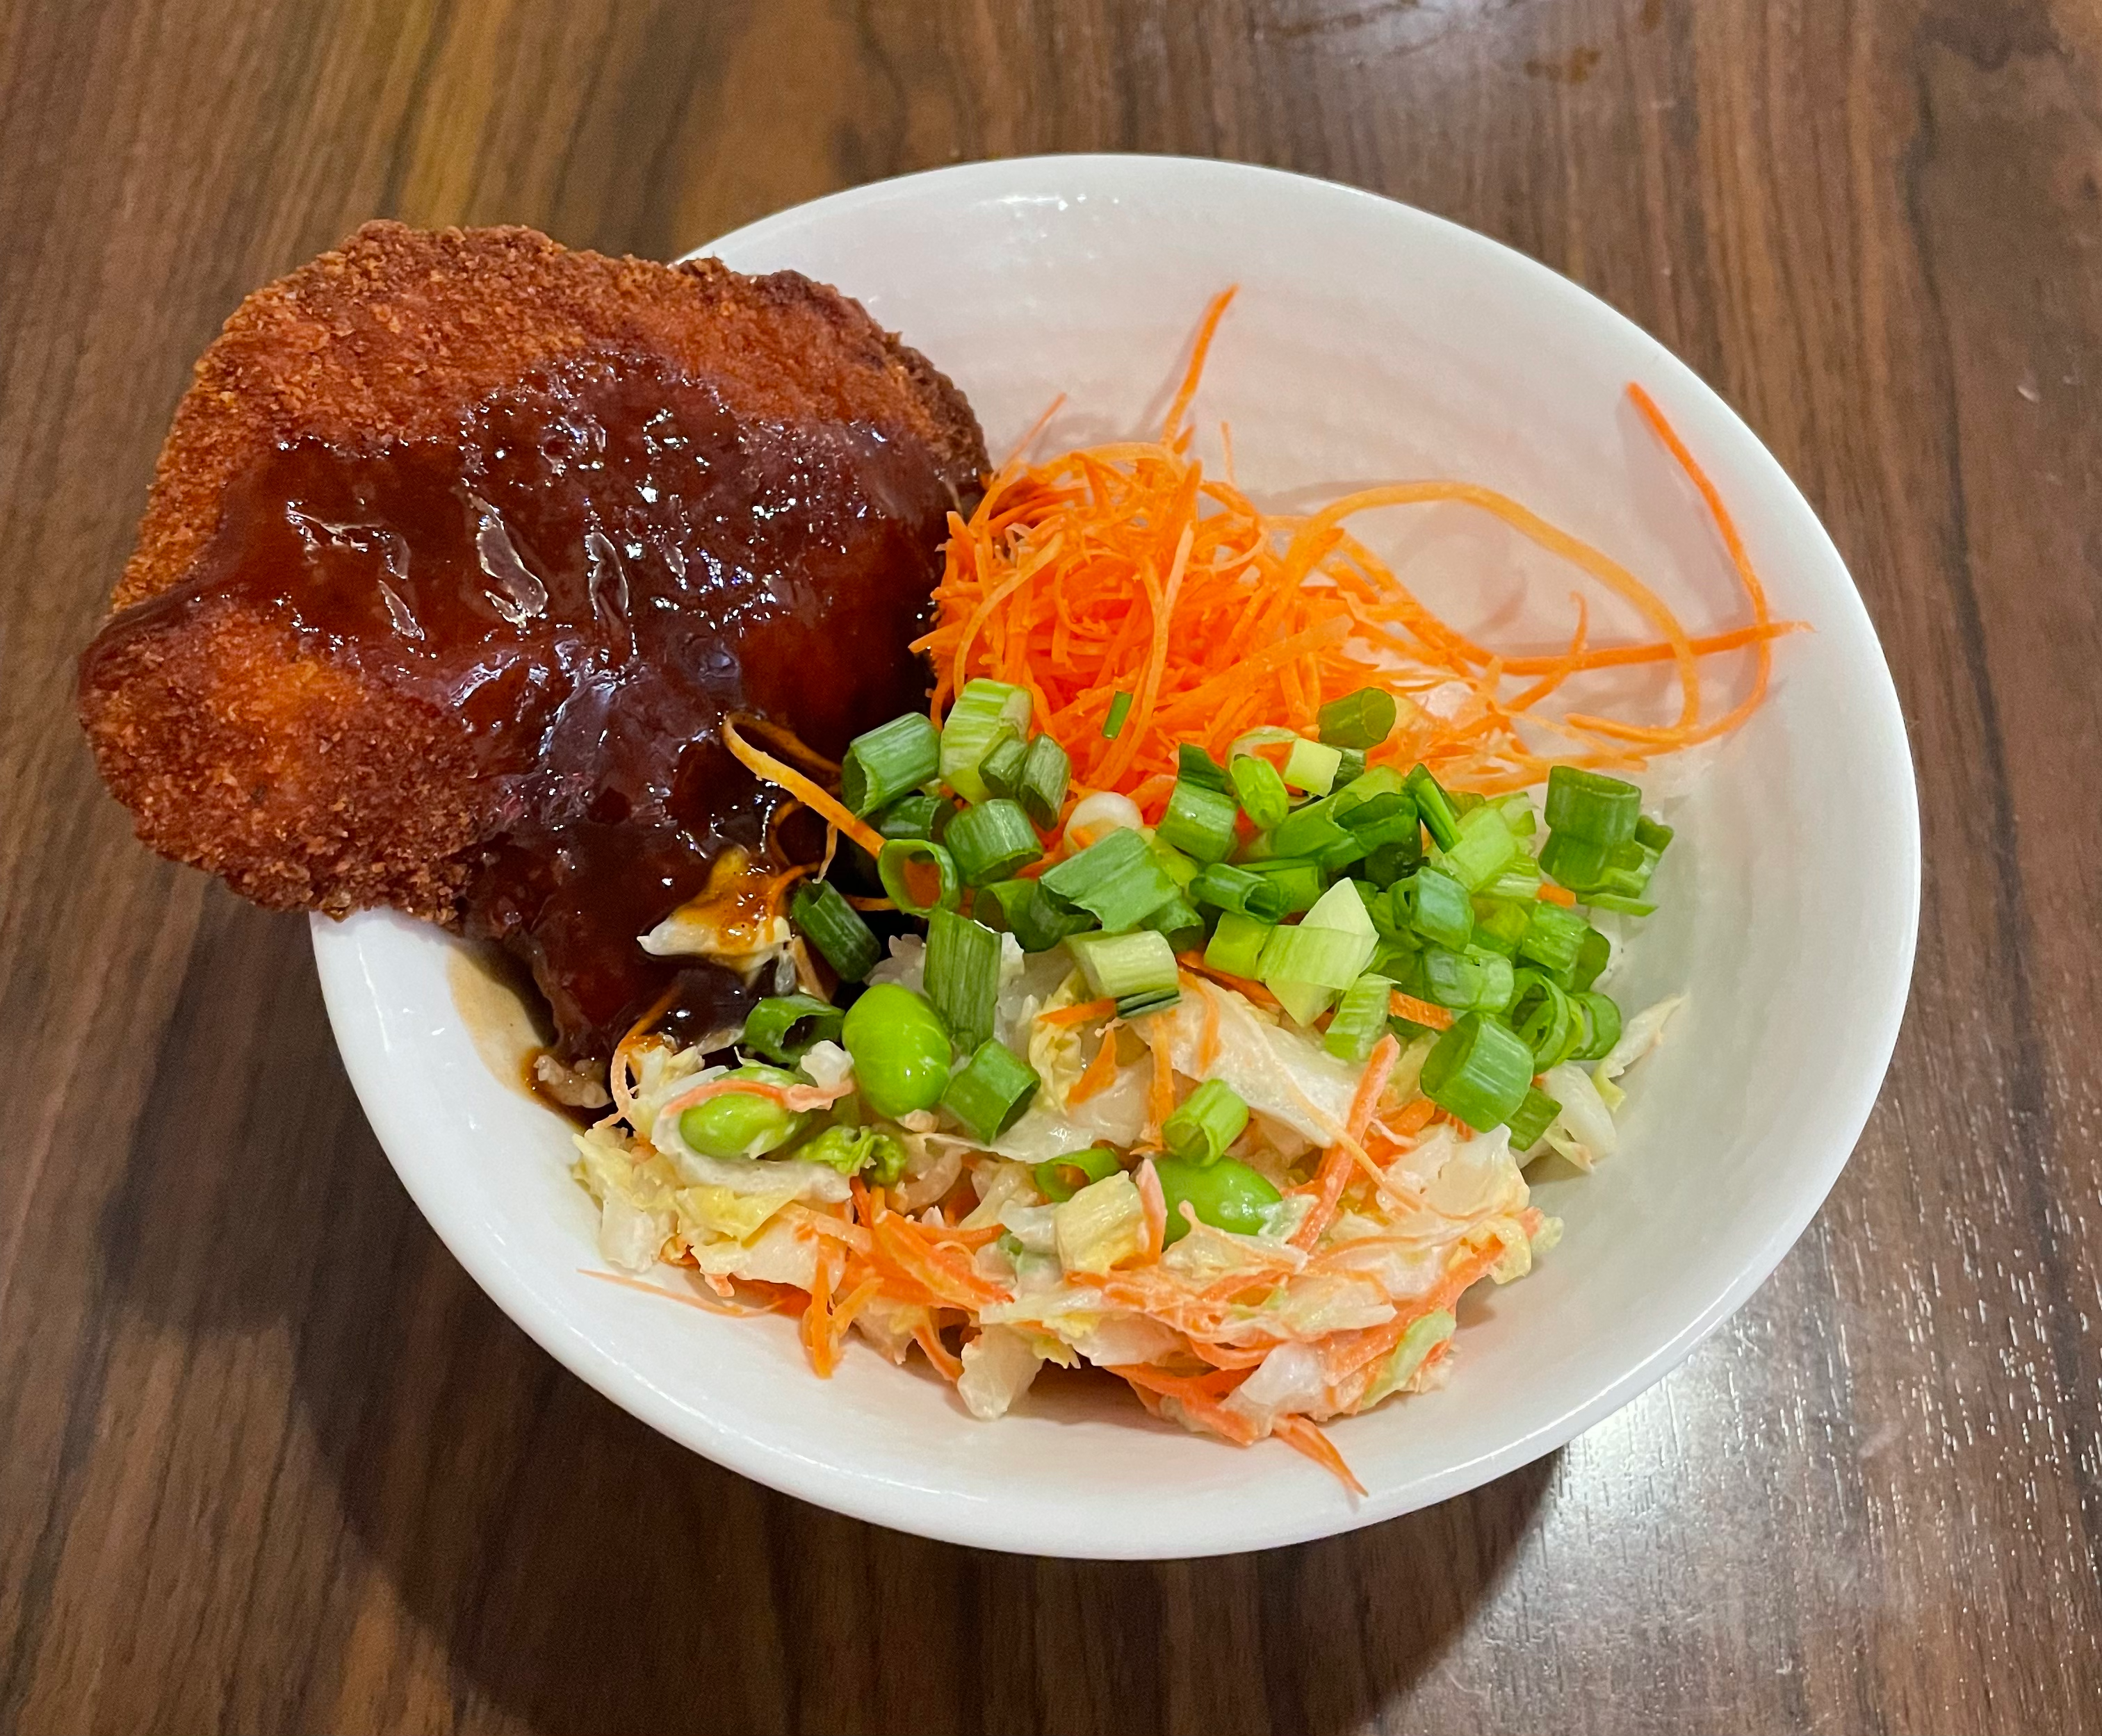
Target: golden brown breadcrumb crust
299,780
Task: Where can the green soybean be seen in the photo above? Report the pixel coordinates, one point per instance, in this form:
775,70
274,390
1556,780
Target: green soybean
900,1050
740,1124
1228,1195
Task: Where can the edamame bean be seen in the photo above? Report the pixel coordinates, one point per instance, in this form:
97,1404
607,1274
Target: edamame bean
1228,1195
900,1049
740,1123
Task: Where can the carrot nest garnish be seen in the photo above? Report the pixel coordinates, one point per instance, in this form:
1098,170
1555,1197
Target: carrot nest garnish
1126,569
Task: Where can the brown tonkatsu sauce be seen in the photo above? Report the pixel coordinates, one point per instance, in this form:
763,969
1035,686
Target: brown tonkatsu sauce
586,576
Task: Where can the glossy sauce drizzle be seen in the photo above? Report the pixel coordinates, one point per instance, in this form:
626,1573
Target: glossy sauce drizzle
586,576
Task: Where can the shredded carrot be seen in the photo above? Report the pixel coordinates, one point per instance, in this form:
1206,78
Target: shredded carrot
1305,1436
1160,1096
647,1288
1550,893
795,1097
861,903
1349,1151
1079,1014
1419,1012
1100,1071
1125,567
1208,1044
929,1340
764,767
1154,1202
818,1341
1254,992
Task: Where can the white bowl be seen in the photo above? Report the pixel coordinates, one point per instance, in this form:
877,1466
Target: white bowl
1369,341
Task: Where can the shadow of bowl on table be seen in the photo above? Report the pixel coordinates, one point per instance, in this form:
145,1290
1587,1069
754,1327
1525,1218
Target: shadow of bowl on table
579,1572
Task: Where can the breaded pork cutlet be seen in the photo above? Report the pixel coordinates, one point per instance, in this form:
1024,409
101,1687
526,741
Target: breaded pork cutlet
434,487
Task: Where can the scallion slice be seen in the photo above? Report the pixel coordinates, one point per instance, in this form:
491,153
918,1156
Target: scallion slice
1591,806
1652,834
973,729
1308,832
1237,944
783,1026
1302,882
1621,906
1259,790
1517,882
1594,952
1200,821
1179,920
1477,1072
1451,979
1572,862
1119,710
1361,720
1545,1020
1123,966
836,928
1226,887
1531,1119
1360,1018
1481,849
990,1092
1054,1176
1001,767
916,816
1205,1123
1437,906
1310,766
1553,938
885,762
1032,916
963,975
1500,927
1117,878
1434,803
1046,773
1602,1025
991,841
1193,765
918,875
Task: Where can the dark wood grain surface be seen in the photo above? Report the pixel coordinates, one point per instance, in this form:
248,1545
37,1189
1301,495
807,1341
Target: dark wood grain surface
269,1462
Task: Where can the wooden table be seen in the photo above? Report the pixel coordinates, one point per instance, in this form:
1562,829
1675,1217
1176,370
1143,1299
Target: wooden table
269,1462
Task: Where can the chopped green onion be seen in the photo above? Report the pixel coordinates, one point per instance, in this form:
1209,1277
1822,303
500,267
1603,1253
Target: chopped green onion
1122,966
1179,920
1000,904
1545,1019
1193,765
1602,1025
1531,1119
1207,1121
973,729
1519,815
1572,862
1363,719
1434,803
1620,906
885,762
1591,806
1308,832
1553,938
918,876
1500,927
1200,821
1311,767
1481,848
1119,710
1477,1072
1046,772
1386,863
1259,790
991,1091
783,1026
1499,981
1401,826
1349,768
1517,882
963,975
1032,916
991,841
1402,959
1182,869
1097,1163
1594,952
916,816
836,928
1437,906
1360,1018
1226,887
1237,944
1302,882
1652,834
1118,878
1330,959
1451,979
1001,767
